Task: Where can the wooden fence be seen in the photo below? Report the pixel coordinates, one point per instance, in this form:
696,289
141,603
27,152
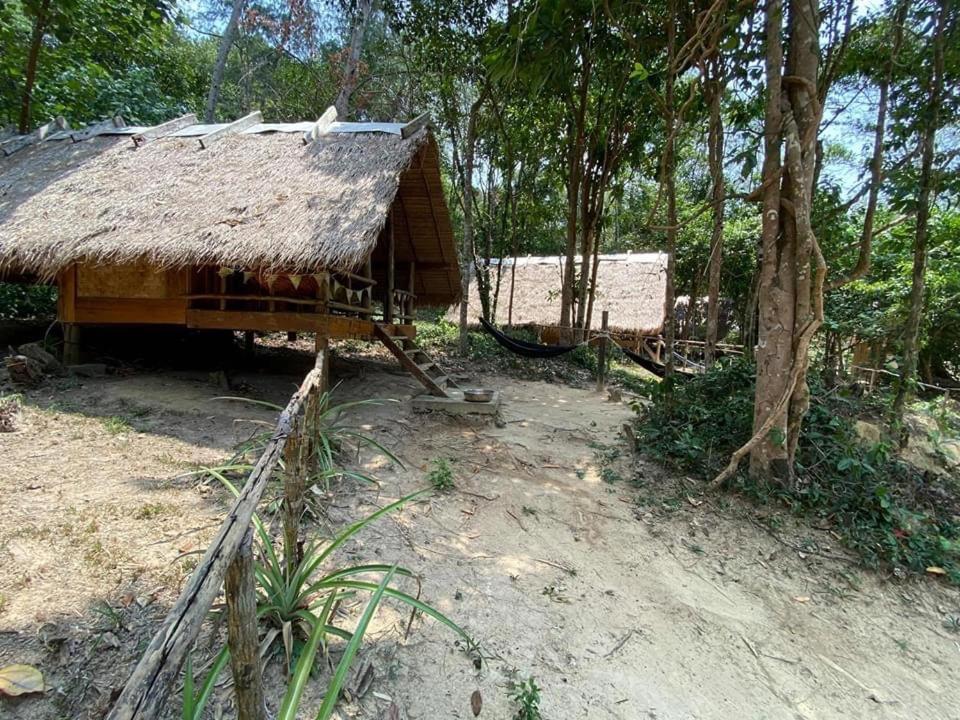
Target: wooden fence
228,563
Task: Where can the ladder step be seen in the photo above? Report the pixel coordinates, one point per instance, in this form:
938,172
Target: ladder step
426,366
441,380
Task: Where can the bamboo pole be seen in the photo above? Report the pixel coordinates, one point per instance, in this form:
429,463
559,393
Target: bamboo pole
242,638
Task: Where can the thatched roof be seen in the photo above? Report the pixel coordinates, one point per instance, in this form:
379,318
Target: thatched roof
631,287
255,198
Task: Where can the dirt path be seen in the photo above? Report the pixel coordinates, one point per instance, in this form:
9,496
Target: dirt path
568,561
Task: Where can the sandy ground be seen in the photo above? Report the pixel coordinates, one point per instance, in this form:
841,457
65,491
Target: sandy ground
622,590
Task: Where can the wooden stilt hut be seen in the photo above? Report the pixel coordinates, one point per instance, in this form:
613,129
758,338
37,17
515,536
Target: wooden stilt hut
328,227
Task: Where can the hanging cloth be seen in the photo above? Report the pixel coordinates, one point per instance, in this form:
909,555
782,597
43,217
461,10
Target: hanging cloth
526,349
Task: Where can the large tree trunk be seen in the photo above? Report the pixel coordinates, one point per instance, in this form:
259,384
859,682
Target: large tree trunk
30,72
714,91
220,65
792,268
351,65
925,192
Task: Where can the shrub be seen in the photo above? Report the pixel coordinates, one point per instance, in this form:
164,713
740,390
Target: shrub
441,476
24,302
886,510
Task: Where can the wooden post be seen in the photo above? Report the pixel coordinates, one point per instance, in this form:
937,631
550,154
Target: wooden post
368,297
294,485
291,336
322,346
71,343
391,251
242,637
602,354
411,300
248,342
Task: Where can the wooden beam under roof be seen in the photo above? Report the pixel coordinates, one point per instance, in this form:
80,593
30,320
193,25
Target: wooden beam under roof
39,135
254,118
415,125
98,128
321,126
164,129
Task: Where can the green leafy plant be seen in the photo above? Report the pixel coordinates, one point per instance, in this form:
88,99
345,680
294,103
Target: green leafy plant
881,507
328,434
526,694
441,475
195,701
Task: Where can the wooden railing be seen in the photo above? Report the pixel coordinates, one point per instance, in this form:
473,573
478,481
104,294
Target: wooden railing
228,564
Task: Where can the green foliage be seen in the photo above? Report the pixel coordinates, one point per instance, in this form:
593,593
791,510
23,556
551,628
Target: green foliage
25,302
526,695
328,434
194,703
883,508
441,475
97,58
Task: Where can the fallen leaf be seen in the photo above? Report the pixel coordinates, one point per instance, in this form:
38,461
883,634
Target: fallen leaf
695,503
934,570
802,599
20,680
476,702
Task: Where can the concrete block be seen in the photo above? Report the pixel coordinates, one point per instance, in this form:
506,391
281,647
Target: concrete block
455,404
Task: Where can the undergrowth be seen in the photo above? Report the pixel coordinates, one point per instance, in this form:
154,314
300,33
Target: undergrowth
886,510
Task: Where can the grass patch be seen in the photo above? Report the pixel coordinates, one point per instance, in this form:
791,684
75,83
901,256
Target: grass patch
116,425
881,507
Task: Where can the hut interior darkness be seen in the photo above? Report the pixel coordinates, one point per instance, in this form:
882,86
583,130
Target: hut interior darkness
326,227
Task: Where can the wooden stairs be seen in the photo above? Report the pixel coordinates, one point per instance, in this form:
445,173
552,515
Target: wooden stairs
415,361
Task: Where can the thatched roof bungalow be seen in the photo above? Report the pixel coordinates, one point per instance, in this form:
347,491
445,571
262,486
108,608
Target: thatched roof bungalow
631,287
247,225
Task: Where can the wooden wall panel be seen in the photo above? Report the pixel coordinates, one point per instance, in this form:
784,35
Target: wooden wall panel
131,311
129,281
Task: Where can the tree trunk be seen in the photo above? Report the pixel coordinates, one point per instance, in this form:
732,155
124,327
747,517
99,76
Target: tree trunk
669,183
351,66
466,246
792,270
30,72
925,192
714,90
226,42
776,291
575,132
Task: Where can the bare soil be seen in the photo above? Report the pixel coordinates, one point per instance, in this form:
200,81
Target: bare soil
621,588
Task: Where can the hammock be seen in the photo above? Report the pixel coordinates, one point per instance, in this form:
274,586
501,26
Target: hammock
644,362
526,349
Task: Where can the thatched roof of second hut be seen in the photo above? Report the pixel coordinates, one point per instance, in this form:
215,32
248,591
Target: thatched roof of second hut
631,287
256,199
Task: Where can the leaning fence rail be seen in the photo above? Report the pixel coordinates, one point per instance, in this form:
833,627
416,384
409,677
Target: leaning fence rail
228,558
